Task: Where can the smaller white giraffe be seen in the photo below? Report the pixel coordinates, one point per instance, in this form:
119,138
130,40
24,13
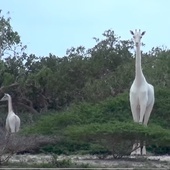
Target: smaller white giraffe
141,92
12,120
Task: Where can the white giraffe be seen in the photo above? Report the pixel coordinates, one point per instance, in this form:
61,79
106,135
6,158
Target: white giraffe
141,93
12,120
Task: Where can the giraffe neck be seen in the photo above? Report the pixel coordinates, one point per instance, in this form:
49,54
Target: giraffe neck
139,77
9,105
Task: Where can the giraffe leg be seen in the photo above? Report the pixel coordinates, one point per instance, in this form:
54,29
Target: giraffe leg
133,149
141,120
144,149
142,112
139,149
135,114
148,113
145,122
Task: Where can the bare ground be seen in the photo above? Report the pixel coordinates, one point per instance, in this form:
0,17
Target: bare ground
155,162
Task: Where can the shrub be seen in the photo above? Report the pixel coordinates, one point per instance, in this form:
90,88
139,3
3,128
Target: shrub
118,137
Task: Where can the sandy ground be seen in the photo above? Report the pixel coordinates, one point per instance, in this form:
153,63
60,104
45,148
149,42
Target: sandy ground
156,162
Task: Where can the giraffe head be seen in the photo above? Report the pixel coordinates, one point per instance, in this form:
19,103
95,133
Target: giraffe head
137,36
6,97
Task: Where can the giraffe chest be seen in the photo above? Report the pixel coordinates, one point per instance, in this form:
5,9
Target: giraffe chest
139,88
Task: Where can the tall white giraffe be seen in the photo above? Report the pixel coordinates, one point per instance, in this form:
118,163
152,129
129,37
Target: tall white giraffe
141,93
12,120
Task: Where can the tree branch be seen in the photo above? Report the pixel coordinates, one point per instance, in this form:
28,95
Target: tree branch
31,109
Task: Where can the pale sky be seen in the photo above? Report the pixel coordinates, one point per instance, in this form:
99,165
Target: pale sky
55,25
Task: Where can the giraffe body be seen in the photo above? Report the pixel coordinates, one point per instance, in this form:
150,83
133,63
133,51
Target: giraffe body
12,120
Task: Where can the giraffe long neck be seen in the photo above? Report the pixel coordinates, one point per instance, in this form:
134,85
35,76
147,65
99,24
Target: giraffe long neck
9,104
139,74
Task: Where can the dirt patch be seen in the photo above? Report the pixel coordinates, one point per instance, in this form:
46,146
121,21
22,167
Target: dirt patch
127,162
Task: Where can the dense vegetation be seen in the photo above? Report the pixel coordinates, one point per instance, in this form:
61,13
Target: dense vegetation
84,94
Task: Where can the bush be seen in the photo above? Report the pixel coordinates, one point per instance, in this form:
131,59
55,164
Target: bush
161,111
105,112
118,137
66,147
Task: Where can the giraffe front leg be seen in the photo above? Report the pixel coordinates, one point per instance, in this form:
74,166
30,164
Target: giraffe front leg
134,149
144,150
142,112
143,99
138,150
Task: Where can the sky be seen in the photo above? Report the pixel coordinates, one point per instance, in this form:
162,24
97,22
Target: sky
54,26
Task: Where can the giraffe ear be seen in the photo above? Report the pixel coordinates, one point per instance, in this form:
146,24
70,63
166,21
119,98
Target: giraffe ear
143,33
132,32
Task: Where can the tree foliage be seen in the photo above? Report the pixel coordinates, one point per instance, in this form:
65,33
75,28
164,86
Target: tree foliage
92,75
